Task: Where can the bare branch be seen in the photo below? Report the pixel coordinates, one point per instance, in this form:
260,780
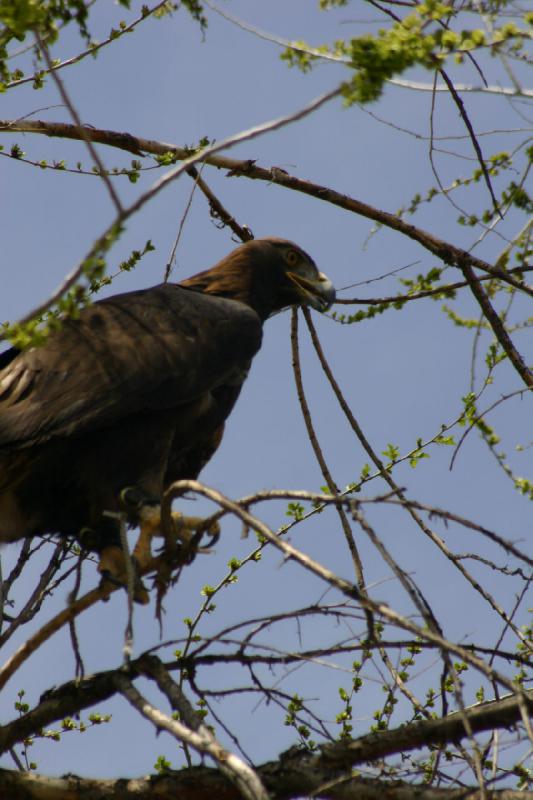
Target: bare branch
218,211
447,252
332,486
199,737
297,772
287,779
77,121
345,587
419,86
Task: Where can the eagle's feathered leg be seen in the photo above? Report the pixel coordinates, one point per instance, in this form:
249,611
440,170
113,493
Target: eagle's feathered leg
106,539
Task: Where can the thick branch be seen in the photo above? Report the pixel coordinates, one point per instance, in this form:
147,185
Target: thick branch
483,717
199,736
65,701
294,774
290,777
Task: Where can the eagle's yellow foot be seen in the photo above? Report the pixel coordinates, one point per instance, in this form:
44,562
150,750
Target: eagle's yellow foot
112,567
183,529
150,526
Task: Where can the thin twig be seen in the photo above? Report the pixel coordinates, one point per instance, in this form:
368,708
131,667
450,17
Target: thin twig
405,298
332,486
437,540
90,51
76,117
218,211
497,325
464,116
178,488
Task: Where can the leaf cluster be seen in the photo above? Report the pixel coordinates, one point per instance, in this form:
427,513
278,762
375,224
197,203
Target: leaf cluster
423,38
18,18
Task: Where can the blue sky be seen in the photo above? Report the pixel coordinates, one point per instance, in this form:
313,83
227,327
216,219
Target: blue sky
403,373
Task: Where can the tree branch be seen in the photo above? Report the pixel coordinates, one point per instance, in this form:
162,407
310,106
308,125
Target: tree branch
295,774
454,256
198,736
485,716
102,242
80,694
446,252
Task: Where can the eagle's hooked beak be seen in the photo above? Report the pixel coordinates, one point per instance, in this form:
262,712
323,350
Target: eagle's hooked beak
319,293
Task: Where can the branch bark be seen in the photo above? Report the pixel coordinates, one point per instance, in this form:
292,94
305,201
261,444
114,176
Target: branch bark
291,777
197,736
486,716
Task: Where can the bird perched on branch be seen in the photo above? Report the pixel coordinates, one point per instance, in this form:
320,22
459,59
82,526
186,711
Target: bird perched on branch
133,395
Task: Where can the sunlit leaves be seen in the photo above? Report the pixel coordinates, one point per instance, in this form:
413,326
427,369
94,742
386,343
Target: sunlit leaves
415,40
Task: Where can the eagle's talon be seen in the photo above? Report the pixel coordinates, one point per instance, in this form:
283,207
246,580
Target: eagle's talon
214,533
188,528
150,524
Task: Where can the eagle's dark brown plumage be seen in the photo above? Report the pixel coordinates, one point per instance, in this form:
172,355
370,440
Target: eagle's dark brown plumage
134,393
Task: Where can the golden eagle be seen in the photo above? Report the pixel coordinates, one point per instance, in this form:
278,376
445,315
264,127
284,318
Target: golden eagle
133,395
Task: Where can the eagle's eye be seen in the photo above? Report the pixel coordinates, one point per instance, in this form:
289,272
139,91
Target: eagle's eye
292,258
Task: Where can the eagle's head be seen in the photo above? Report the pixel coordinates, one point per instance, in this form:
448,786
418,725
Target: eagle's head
268,275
